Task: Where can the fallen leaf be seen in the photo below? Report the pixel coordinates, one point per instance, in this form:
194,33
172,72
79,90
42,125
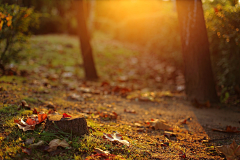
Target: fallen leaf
35,111
157,124
184,121
29,141
137,125
50,105
108,115
24,103
26,150
41,117
229,129
170,136
104,83
23,125
41,142
100,156
166,144
232,151
98,150
75,97
66,115
56,143
129,111
30,122
115,137
182,155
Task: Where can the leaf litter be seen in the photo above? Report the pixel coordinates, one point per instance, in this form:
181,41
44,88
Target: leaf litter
108,92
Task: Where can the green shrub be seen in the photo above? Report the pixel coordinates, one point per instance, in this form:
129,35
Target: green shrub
15,22
223,25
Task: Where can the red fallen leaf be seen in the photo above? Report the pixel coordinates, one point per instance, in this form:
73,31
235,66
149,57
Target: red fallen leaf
165,144
30,121
231,129
35,111
216,10
115,115
66,115
184,121
51,111
105,84
41,117
26,150
182,155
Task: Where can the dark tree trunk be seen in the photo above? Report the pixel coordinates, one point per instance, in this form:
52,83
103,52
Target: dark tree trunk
200,84
86,49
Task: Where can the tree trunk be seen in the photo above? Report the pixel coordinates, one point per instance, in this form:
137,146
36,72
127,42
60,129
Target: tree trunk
86,49
91,15
200,84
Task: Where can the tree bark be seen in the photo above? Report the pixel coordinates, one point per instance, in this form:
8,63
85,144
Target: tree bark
86,49
199,79
77,125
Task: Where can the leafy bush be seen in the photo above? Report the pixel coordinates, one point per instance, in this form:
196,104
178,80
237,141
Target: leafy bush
15,22
223,25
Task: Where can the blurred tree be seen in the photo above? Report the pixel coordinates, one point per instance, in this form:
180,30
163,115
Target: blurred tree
200,84
86,49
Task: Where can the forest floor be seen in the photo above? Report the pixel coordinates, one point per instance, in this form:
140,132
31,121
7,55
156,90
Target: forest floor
137,95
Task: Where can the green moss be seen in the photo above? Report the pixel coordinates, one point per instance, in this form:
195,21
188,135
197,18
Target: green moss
30,99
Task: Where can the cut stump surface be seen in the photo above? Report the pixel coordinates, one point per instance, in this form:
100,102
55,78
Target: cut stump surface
77,125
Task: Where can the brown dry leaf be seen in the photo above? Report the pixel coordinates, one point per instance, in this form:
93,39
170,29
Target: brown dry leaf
232,151
98,150
26,150
229,129
170,136
130,111
123,79
115,137
24,103
29,141
157,124
57,142
41,142
76,97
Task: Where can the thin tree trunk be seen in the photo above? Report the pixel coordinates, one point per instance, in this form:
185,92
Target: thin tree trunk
86,49
200,84
91,15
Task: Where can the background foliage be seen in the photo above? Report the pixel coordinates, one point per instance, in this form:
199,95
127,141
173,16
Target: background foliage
15,23
223,21
153,27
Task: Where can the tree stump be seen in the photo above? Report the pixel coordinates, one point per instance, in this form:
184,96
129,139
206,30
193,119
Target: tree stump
77,125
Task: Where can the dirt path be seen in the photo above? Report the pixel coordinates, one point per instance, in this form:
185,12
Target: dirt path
173,110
